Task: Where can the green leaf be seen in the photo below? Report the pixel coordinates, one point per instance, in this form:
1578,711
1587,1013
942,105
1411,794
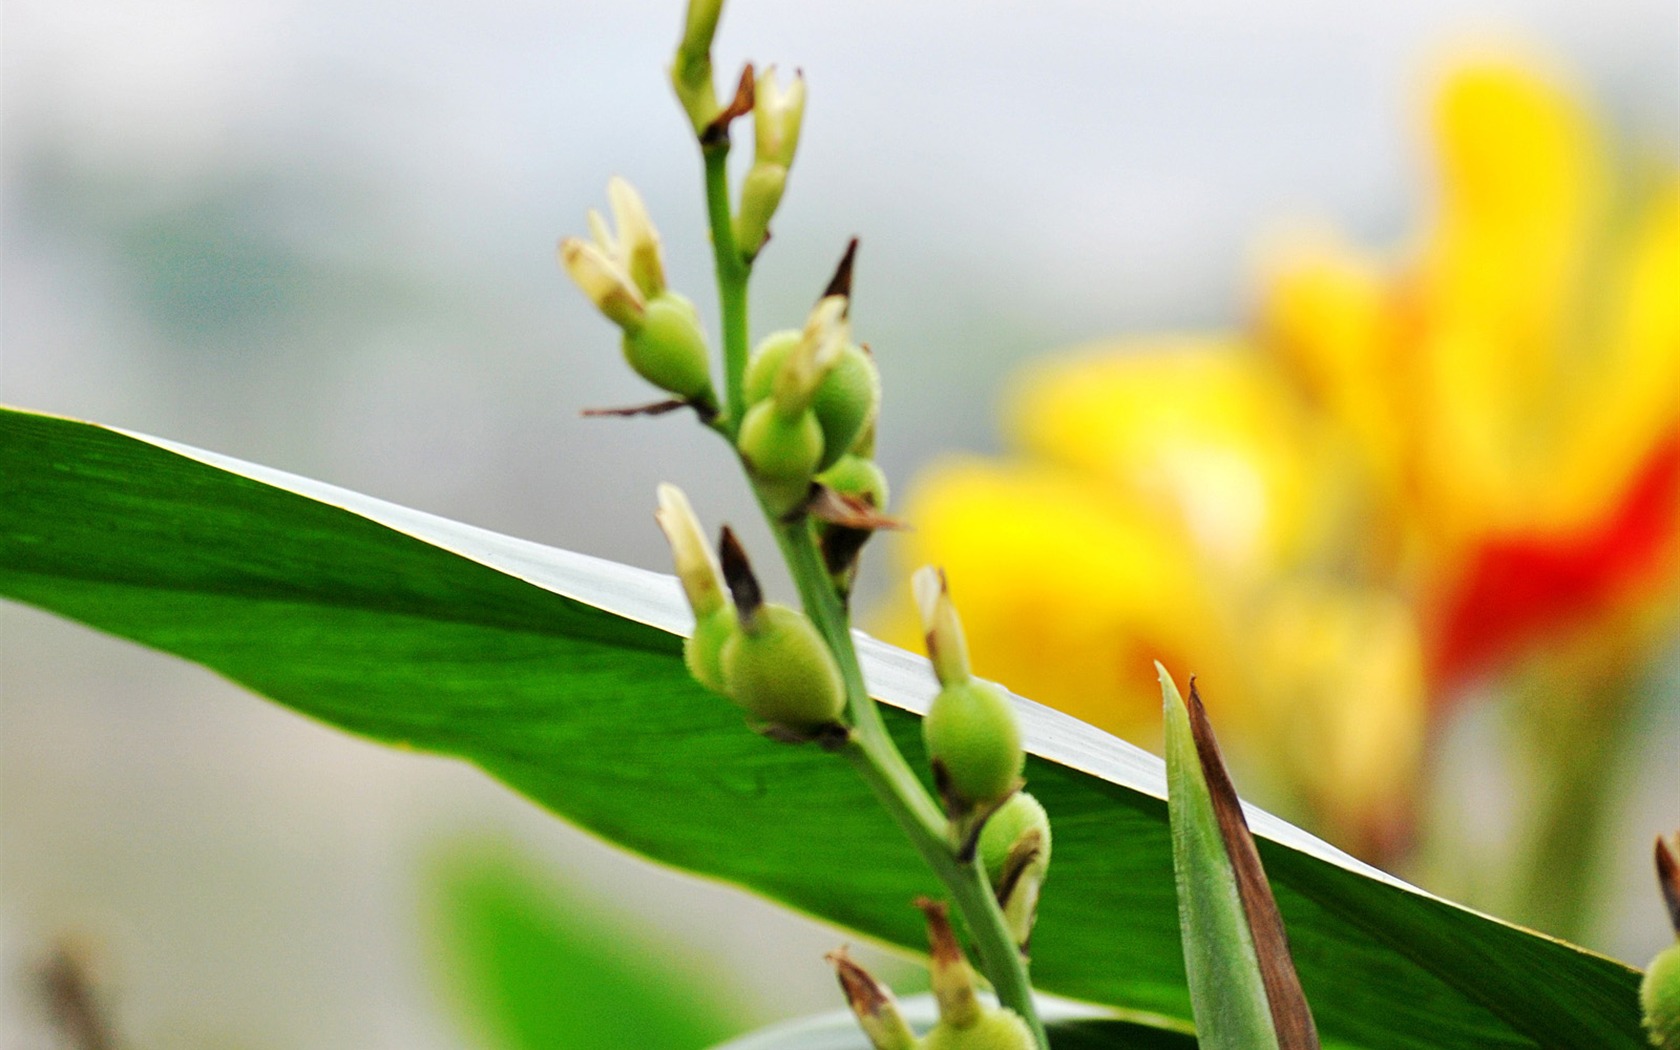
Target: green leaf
559,674
1071,1027
1243,988
530,965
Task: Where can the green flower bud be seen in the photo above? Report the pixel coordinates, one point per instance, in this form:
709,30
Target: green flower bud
974,744
761,195
972,738
778,668
997,1028
691,68
1659,992
965,1023
1659,996
1015,850
767,359
1021,819
703,650
858,477
777,116
668,349
781,452
846,401
703,584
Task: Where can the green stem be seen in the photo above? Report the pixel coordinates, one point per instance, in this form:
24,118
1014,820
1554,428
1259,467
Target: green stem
732,275
877,760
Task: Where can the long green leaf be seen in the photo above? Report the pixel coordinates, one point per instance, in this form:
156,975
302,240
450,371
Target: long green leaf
558,674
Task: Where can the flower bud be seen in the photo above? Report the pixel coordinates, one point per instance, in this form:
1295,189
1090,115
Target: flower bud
847,401
781,452
972,738
1659,991
761,195
668,349
779,669
857,477
624,276
637,242
973,743
872,1004
607,286
777,116
1015,851
691,68
965,1023
847,397
1659,997
998,1028
703,584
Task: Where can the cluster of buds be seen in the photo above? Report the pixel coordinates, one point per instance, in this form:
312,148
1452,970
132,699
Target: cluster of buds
768,658
1659,993
812,397
965,1021
623,273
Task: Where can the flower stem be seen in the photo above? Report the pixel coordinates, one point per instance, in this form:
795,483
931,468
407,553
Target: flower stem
877,760
732,275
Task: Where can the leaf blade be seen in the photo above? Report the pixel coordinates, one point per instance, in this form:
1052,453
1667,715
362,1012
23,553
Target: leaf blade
558,674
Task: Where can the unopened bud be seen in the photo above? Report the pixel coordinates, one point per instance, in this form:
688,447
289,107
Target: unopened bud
702,582
691,69
946,645
761,195
606,284
973,740
1015,851
781,451
847,401
858,478
1659,991
669,349
872,1004
777,116
618,271
948,970
779,670
638,241
965,1023
697,566
819,348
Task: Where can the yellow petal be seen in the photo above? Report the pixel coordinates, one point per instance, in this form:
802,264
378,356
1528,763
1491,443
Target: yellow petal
1204,429
1069,593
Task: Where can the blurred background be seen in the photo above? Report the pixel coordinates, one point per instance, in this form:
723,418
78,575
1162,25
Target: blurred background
320,236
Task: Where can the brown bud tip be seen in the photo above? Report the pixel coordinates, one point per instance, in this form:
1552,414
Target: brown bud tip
1668,878
866,996
738,574
717,132
942,939
841,282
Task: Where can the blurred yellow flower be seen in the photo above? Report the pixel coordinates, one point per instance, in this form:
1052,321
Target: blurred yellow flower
1405,473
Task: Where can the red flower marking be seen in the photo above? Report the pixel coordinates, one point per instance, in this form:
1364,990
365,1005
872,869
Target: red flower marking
1521,587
